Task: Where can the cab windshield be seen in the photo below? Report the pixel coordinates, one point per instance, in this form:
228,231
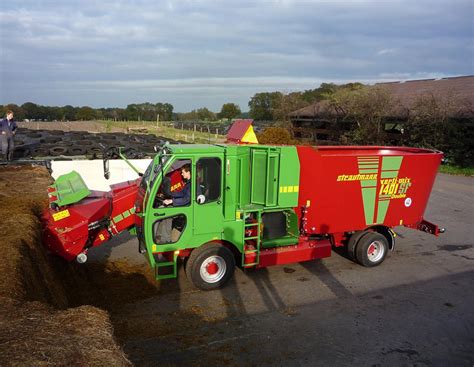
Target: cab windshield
152,173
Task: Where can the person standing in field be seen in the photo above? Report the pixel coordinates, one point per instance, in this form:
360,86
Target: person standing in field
8,128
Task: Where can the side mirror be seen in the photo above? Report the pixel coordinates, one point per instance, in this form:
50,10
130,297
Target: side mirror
201,199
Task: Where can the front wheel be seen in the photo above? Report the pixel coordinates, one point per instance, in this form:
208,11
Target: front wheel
210,266
371,250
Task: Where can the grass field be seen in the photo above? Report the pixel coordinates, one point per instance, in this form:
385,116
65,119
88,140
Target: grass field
164,129
455,170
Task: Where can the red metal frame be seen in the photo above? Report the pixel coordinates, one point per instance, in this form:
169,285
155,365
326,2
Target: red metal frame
306,249
73,229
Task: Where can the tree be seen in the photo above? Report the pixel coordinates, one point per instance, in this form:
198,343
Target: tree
132,112
367,107
187,116
68,113
114,113
326,90
31,110
85,113
149,112
229,111
275,135
431,125
286,104
204,114
261,105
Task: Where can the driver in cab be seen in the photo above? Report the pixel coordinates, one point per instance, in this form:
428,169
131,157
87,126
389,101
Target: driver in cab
182,197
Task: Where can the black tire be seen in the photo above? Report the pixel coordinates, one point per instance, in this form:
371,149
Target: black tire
351,245
56,132
58,150
77,150
210,266
371,249
39,152
33,135
94,151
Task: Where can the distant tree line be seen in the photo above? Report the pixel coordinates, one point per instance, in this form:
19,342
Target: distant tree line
228,111
133,112
266,106
140,111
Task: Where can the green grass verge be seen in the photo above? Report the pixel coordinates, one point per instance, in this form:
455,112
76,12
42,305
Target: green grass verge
456,170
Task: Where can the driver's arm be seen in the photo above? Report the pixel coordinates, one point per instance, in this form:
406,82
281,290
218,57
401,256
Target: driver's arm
181,198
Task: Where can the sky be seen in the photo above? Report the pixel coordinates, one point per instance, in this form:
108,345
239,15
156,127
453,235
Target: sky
195,54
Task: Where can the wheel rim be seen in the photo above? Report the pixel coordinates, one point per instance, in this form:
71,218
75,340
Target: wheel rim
375,251
213,269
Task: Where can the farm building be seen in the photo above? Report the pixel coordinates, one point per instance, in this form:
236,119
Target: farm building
455,95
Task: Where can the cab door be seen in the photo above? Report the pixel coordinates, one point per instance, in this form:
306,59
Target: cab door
168,228
207,206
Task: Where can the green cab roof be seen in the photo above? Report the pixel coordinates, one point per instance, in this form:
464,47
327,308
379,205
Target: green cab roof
220,148
195,148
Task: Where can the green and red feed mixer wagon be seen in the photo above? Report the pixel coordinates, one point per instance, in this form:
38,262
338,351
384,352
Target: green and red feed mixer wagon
252,206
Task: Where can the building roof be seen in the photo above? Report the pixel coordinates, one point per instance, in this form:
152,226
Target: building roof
459,90
241,131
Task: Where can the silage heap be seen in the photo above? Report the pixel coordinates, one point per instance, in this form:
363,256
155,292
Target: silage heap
36,325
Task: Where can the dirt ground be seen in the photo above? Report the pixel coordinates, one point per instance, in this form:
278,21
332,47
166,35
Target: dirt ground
90,126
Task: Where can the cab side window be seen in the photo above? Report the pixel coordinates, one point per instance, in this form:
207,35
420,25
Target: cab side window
208,180
175,186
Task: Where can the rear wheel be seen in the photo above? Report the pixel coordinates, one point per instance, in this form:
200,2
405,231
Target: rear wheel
352,244
371,249
210,266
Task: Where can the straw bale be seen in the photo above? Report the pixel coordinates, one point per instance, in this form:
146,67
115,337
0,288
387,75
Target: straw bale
36,327
25,266
34,334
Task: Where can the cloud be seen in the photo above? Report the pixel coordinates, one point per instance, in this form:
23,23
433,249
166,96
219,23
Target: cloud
53,51
387,51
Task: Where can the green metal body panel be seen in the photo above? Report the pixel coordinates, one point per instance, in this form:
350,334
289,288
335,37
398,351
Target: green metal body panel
69,189
254,179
